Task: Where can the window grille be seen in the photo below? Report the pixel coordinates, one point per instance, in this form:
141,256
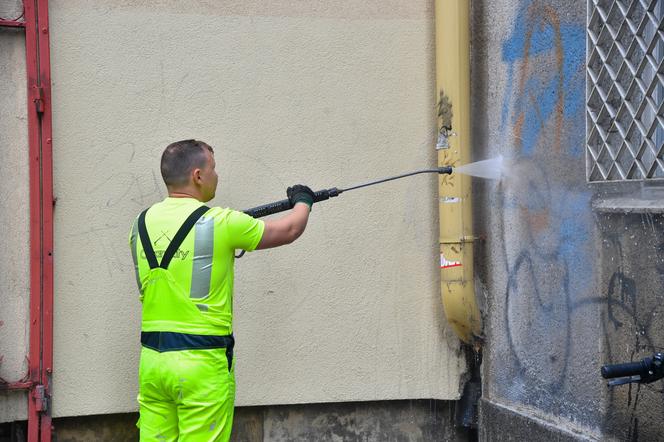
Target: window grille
625,90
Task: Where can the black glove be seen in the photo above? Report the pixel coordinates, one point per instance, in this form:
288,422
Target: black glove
300,194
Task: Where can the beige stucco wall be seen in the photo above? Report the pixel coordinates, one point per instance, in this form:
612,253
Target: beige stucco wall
14,257
324,93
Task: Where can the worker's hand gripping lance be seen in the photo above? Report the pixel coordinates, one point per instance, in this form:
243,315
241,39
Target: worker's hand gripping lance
322,195
283,205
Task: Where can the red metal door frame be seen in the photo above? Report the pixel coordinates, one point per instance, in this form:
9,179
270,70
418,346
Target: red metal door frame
38,379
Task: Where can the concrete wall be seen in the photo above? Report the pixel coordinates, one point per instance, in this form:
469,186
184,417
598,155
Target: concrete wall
323,93
14,262
571,275
632,275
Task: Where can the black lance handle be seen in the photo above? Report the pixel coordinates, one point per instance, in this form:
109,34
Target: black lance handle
283,205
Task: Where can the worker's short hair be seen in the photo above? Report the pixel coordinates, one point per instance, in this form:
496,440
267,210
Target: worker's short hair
180,158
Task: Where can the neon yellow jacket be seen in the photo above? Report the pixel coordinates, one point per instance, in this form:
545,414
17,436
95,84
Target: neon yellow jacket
194,294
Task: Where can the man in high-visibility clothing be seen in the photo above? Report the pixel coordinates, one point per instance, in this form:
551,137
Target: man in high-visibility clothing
183,254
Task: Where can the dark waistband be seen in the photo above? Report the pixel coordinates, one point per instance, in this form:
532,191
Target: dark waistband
171,341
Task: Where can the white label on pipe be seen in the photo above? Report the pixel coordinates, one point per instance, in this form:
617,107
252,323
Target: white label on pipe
445,264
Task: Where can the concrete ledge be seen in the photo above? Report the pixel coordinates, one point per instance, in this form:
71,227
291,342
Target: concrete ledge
419,420
499,423
405,420
629,205
103,428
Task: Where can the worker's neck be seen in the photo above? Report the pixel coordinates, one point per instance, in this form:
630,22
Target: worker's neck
184,193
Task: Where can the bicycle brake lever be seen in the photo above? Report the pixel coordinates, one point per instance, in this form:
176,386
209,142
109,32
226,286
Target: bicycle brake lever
621,381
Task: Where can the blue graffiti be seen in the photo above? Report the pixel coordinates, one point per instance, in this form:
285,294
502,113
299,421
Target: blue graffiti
536,103
574,231
548,259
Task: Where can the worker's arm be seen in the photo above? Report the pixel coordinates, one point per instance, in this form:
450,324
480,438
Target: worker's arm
285,230
288,228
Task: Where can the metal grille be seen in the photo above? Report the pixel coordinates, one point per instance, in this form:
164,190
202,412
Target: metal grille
625,90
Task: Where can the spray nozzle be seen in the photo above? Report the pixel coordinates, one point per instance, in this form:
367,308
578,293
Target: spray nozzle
445,170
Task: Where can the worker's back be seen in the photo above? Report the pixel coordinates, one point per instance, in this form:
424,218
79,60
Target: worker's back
199,277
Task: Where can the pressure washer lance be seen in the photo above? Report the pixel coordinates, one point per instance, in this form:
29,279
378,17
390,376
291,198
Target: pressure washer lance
322,195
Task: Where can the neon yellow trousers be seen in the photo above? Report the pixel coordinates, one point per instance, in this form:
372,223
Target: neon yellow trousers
185,395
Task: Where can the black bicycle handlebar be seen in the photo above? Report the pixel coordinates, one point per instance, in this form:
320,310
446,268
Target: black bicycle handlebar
626,369
647,370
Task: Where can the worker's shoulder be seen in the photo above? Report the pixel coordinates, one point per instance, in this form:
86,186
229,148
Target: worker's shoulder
226,214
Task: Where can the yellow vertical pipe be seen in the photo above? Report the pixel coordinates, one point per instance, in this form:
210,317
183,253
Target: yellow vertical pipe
456,223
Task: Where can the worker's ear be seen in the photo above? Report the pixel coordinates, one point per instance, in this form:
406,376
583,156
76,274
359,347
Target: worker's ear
196,173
